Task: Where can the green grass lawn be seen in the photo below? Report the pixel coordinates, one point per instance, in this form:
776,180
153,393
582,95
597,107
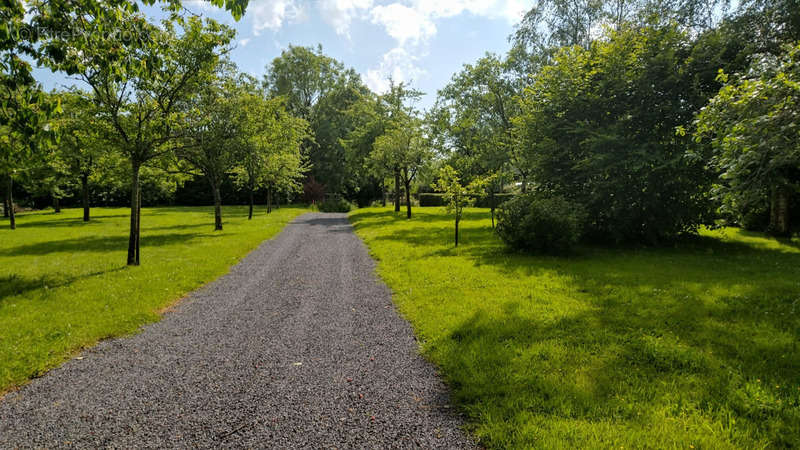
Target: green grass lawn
691,345
64,283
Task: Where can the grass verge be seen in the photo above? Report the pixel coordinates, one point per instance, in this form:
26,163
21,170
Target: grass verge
691,346
64,284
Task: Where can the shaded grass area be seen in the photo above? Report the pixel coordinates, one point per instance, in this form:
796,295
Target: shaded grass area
691,345
64,284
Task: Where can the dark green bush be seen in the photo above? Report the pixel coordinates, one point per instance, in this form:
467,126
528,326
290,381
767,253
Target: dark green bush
499,199
334,204
540,224
436,199
431,199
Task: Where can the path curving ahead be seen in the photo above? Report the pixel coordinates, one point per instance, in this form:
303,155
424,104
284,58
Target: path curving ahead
298,346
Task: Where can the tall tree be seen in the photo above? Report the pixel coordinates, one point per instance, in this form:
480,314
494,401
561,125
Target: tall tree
318,89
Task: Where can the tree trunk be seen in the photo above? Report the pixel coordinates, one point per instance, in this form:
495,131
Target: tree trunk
12,215
269,200
252,200
456,231
217,206
85,195
492,204
407,184
5,203
383,194
397,190
779,212
133,239
56,204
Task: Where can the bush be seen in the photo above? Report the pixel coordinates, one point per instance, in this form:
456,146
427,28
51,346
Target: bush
335,204
431,199
435,199
540,224
499,199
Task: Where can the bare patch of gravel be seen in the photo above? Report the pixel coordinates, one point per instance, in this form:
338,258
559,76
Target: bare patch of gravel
298,346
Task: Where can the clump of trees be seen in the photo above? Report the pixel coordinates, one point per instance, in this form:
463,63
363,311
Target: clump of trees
617,108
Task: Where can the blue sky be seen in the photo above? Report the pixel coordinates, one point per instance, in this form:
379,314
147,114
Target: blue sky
419,41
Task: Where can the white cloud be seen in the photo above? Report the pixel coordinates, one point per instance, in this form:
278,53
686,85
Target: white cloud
397,64
273,14
403,23
340,13
244,42
511,10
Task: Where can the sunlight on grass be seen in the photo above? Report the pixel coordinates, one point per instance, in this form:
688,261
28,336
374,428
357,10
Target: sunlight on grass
693,344
64,284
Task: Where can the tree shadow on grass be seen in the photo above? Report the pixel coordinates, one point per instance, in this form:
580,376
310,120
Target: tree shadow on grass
13,285
98,244
613,362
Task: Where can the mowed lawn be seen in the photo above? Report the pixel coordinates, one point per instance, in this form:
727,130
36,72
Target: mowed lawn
64,283
690,346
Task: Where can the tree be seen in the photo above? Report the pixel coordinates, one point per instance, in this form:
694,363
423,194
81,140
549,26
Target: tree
141,79
472,123
271,141
456,195
403,148
214,124
80,144
319,89
754,127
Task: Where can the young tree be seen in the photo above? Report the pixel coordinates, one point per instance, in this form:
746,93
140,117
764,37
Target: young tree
141,79
456,195
754,129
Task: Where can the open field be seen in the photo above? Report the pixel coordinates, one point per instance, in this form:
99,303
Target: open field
691,345
64,283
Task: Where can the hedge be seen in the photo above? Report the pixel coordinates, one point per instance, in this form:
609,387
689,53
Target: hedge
435,199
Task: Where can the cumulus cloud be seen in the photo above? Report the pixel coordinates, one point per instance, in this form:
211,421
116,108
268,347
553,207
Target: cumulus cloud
403,23
398,65
273,14
340,13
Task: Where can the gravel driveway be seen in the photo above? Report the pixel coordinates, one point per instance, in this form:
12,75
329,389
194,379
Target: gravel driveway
298,346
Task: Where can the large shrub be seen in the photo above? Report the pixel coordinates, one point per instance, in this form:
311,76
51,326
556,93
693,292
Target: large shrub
540,224
598,126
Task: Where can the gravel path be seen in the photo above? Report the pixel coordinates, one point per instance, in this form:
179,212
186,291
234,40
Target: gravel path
298,346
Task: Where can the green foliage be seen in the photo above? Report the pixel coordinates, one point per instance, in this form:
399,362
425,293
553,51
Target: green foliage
673,347
598,128
754,128
63,287
539,224
320,90
336,204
